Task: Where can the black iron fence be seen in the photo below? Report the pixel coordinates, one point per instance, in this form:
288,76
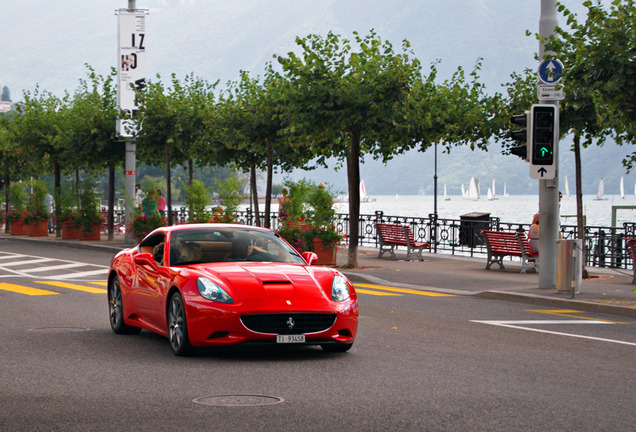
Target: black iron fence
604,246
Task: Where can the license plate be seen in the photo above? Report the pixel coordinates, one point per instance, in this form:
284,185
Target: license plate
290,338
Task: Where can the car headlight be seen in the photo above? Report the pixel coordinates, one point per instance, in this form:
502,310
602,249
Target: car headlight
212,291
339,289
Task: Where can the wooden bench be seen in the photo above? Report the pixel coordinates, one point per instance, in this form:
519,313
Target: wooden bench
392,235
501,244
630,244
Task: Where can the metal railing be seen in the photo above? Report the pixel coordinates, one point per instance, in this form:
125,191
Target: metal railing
604,246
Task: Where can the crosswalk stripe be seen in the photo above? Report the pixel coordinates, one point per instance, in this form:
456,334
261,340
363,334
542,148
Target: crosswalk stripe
11,256
74,287
25,290
57,267
377,293
82,274
19,263
403,290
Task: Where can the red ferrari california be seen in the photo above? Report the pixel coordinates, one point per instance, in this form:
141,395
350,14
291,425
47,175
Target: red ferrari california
223,284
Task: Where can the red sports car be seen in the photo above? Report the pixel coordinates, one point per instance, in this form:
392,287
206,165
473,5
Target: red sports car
225,284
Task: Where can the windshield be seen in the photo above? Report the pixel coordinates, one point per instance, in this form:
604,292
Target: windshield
210,245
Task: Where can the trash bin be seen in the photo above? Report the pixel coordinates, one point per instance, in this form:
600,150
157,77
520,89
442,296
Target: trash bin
569,266
469,227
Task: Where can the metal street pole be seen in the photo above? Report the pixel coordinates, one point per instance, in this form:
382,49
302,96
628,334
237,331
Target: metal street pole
434,229
130,166
549,189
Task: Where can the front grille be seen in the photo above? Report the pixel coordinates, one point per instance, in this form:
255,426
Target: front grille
280,323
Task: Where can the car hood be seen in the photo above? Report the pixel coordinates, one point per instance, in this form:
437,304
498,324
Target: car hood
272,280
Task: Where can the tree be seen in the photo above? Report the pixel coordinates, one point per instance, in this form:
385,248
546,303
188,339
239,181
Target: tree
598,55
348,104
91,139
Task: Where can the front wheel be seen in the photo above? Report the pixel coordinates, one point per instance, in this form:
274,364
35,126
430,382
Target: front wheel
116,310
178,326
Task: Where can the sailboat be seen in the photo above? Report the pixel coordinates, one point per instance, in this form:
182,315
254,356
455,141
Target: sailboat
465,192
494,194
490,195
567,188
363,194
600,195
505,193
446,198
622,189
473,189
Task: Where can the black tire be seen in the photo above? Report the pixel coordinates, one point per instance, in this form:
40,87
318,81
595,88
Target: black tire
178,326
116,310
336,348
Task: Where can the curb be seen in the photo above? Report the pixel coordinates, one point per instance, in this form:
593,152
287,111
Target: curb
551,301
110,247
588,305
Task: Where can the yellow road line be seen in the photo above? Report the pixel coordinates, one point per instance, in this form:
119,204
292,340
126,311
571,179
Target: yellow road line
101,283
74,287
25,290
567,312
403,290
377,293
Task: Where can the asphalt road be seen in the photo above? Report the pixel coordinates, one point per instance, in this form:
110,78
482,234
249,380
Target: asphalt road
420,362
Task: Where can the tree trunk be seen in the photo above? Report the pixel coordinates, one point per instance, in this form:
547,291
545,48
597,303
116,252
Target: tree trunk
353,177
111,203
190,172
255,195
268,188
57,183
168,187
77,188
580,230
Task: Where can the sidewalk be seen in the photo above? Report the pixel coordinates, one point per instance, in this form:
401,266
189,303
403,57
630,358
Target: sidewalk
607,291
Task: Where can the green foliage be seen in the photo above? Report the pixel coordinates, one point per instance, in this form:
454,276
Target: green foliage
142,225
17,196
89,206
197,201
37,211
230,196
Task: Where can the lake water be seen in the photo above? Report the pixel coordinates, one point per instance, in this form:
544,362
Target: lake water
514,209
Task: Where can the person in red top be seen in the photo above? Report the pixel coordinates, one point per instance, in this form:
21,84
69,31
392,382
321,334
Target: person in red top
161,203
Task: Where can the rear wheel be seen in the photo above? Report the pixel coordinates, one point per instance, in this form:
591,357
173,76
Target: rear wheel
116,310
178,326
336,347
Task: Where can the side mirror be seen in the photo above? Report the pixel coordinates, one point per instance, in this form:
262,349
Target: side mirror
146,259
310,257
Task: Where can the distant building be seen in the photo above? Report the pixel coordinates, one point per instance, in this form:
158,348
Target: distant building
5,106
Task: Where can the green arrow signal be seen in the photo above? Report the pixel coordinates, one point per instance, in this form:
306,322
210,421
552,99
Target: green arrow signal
544,151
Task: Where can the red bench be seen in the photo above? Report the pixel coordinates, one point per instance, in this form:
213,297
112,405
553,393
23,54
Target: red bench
392,235
501,244
631,247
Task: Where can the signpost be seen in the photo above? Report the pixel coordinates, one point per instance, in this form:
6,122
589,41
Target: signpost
550,71
131,71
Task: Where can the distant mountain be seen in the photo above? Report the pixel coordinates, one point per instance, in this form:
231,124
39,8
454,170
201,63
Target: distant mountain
47,43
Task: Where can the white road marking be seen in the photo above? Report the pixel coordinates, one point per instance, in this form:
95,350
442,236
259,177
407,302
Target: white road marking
509,324
58,267
19,263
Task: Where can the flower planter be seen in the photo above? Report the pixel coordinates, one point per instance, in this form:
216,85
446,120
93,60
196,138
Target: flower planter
39,229
69,233
94,235
18,228
325,256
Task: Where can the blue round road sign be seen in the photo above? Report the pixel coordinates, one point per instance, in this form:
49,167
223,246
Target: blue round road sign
550,71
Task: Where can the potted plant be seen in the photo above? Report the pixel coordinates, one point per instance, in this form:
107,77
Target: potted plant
37,217
15,217
308,226
142,225
68,215
90,218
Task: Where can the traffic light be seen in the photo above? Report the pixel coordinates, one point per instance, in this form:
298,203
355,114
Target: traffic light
543,134
521,135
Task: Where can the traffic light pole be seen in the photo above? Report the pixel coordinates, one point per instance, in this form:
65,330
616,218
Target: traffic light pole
549,189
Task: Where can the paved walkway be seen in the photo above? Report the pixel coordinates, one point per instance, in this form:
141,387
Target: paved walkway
608,290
